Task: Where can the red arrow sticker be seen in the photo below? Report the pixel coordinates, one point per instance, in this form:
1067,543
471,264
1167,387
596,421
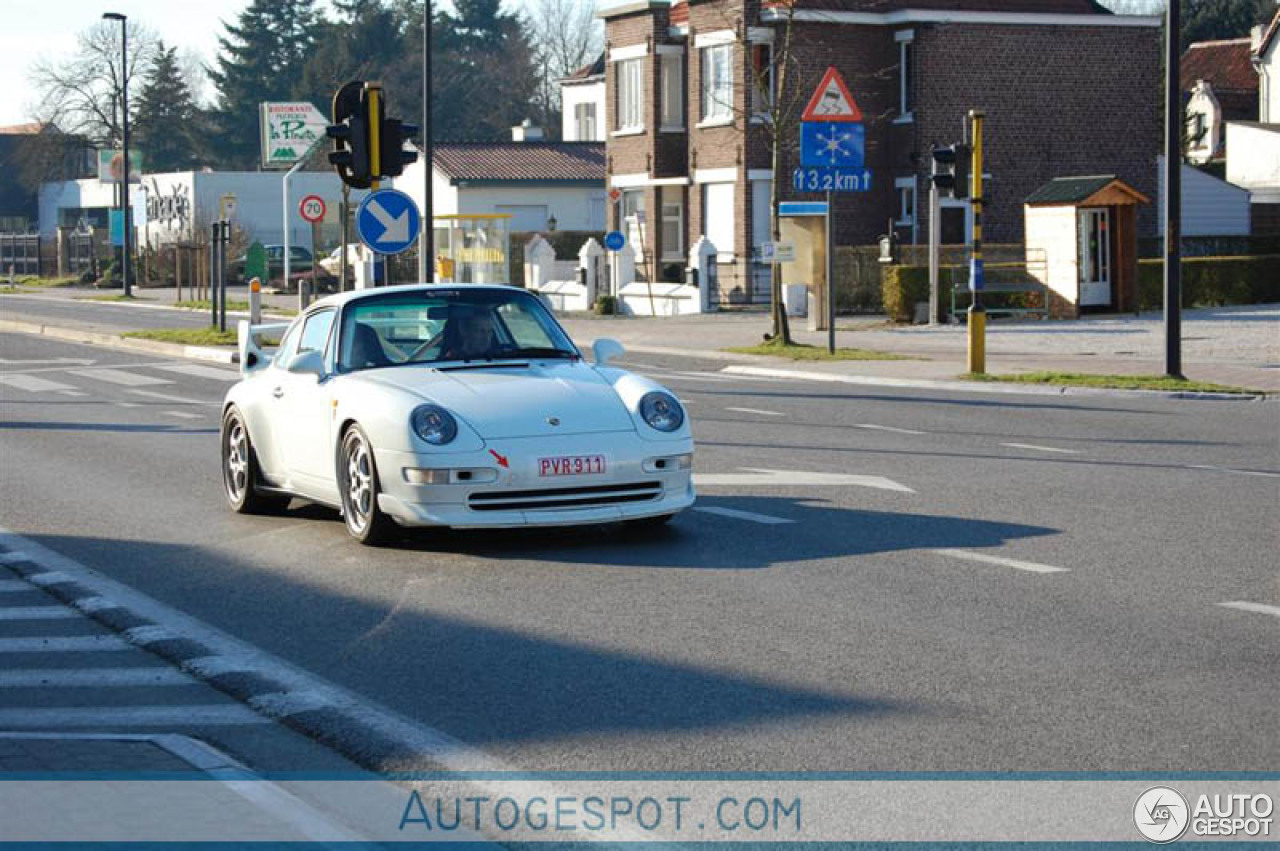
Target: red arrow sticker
502,459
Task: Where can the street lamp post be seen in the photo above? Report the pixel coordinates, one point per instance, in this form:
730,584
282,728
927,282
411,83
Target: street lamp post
124,142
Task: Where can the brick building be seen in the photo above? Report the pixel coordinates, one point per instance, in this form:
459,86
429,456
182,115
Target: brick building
1068,88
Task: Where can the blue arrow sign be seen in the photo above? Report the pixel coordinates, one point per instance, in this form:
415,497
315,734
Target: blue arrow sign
831,180
614,240
833,144
388,221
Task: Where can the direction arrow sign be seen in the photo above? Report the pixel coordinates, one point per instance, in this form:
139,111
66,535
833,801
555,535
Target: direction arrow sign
831,101
388,221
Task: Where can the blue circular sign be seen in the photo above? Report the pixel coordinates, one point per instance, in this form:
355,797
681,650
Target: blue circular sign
388,221
614,240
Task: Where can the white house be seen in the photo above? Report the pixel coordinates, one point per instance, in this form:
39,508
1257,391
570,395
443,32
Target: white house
1221,86
541,185
582,102
1210,207
1265,43
176,205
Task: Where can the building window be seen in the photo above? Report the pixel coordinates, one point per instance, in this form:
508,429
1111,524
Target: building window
717,83
584,122
1197,131
906,187
672,91
672,224
630,76
906,73
762,85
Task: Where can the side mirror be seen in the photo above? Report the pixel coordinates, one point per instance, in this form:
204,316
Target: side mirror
308,363
606,349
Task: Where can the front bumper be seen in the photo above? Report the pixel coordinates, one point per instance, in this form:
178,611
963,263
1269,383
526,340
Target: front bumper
625,491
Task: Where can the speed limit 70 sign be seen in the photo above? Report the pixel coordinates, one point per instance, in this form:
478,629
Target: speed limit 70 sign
312,208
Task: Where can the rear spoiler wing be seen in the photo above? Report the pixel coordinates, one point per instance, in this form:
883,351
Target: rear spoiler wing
248,338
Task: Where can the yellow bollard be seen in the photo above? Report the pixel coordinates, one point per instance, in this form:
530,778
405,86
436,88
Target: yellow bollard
255,302
977,313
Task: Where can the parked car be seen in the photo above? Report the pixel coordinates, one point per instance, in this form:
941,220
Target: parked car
300,260
333,263
446,405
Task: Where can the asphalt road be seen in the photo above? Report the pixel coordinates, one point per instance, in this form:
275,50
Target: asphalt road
789,622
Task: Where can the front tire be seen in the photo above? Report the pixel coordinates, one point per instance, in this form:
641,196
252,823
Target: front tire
241,477
358,484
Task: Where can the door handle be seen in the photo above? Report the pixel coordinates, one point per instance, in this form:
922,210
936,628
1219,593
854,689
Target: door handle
278,392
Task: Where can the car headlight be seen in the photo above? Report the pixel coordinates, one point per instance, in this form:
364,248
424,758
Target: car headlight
434,424
661,411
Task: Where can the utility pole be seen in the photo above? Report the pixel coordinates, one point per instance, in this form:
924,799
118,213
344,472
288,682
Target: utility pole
1173,198
124,143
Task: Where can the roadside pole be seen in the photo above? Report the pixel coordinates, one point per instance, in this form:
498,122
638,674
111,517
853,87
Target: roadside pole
213,274
345,212
255,301
1173,198
224,227
831,278
977,313
288,175
935,237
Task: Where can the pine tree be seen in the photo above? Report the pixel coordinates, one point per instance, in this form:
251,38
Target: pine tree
366,39
166,118
262,58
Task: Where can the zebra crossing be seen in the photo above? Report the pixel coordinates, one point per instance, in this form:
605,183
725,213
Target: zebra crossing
186,387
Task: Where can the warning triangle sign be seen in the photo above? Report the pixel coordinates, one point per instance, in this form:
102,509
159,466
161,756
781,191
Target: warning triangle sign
832,101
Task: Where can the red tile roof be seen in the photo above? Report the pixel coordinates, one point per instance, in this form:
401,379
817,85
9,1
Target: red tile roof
586,72
679,16
532,162
1223,64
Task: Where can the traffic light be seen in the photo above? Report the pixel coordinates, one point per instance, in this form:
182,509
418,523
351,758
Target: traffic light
951,169
392,155
350,154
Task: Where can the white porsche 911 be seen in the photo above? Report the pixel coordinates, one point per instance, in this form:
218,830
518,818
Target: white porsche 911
445,405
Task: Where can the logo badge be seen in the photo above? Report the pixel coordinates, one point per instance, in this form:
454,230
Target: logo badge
553,421
1161,814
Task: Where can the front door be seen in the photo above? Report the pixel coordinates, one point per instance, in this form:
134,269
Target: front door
305,404
1095,257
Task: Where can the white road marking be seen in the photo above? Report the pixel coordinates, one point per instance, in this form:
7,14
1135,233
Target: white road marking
127,404
1237,472
873,427
31,717
63,644
198,371
14,586
286,703
38,362
791,478
33,384
73,678
13,557
72,393
1031,566
756,411
1260,608
766,519
183,415
165,397
37,613
119,376
1036,448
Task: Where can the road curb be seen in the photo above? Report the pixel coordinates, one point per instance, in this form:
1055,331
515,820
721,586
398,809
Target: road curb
995,389
115,341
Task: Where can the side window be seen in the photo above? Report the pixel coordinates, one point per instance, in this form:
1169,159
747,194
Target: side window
315,333
288,346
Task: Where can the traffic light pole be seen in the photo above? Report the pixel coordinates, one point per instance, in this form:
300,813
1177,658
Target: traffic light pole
977,313
935,238
1173,117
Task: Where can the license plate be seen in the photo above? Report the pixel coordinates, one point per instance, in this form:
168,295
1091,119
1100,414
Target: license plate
571,465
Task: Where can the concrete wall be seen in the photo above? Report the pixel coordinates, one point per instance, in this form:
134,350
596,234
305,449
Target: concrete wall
1253,161
1053,231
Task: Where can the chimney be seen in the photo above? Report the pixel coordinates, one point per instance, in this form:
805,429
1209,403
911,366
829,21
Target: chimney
526,132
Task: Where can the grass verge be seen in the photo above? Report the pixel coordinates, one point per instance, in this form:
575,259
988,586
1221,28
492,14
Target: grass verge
33,281
1114,382
801,351
186,336
205,304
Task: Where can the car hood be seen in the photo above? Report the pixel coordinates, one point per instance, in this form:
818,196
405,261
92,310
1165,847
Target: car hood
517,401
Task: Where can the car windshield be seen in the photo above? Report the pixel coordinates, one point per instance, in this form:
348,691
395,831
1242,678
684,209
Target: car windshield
448,326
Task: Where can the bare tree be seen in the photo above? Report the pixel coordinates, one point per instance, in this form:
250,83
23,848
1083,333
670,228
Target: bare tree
565,35
81,94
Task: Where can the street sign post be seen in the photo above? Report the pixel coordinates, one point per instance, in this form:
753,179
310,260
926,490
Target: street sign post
832,159
312,208
614,240
388,221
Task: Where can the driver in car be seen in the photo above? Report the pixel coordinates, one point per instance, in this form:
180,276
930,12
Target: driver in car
470,335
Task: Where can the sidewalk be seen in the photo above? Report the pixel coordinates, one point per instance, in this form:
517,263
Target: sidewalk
1237,346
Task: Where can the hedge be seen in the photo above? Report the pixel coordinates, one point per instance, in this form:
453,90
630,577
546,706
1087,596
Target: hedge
901,287
1214,281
